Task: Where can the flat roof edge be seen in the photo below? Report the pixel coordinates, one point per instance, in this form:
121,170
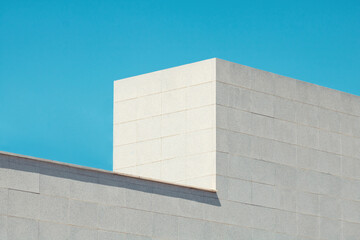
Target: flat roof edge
103,171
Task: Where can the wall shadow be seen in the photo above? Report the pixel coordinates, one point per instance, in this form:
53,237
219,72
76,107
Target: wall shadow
107,178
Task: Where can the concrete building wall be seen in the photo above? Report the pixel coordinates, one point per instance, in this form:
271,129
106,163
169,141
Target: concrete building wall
291,149
164,125
287,167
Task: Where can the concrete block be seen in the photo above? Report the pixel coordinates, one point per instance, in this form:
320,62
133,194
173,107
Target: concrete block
262,126
201,164
148,84
222,140
139,222
4,171
350,231
239,190
23,204
138,197
4,197
329,142
355,104
125,156
234,232
124,133
174,123
330,185
23,177
3,227
349,125
111,218
125,111
351,211
265,195
191,206
200,95
165,226
174,146
191,229
215,230
307,114
346,103
53,231
148,151
262,234
137,237
165,202
54,209
307,93
284,109
285,87
263,81
222,97
262,103
284,131
83,213
308,225
329,120
78,233
174,170
200,141
262,148
329,163
21,228
151,170
174,101
284,153
238,121
239,98
149,106
200,118
233,73
234,96
222,163
104,235
329,98
240,167
84,188
111,192
351,189
125,89
286,222
330,207
350,167
287,199
307,136
330,229
263,172
54,183
285,176
308,181
206,182
307,203
264,218
307,158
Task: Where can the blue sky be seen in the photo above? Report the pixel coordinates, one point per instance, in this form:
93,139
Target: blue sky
58,59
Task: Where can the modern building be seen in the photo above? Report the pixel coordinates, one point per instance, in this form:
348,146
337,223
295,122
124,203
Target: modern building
208,150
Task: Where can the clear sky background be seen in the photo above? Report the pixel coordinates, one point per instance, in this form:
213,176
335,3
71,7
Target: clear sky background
58,59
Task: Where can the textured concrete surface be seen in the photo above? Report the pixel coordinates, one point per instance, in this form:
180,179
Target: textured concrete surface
287,158
164,125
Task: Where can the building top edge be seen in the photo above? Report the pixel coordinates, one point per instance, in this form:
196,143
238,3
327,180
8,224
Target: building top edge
74,166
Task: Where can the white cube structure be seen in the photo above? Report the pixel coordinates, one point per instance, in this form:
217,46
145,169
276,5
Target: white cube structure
197,123
164,125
